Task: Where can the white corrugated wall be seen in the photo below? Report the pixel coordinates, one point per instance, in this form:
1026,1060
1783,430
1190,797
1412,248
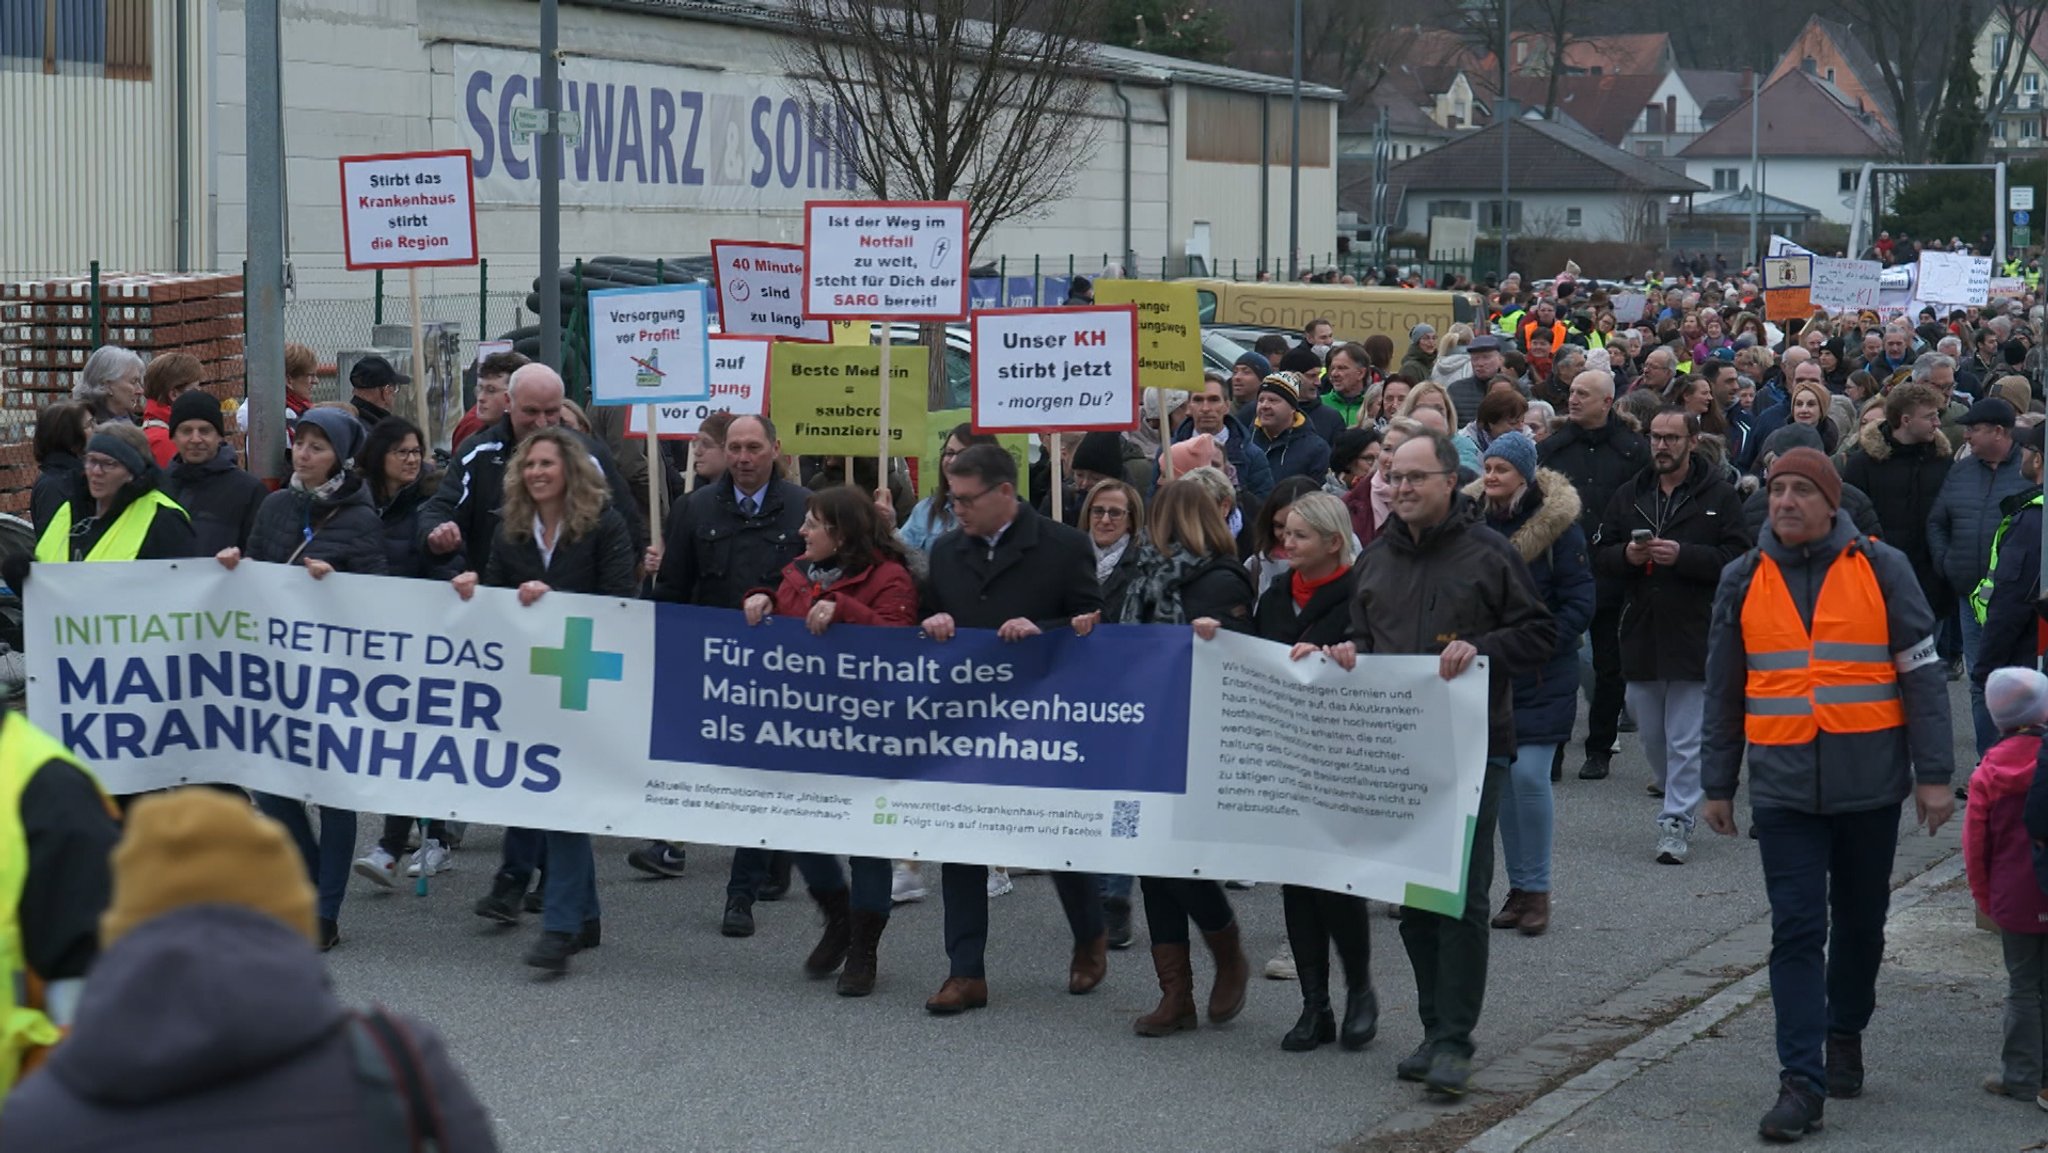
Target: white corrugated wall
88,164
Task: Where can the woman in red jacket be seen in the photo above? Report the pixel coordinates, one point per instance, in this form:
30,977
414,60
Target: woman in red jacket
851,572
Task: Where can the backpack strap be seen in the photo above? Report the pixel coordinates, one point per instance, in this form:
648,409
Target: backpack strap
397,1096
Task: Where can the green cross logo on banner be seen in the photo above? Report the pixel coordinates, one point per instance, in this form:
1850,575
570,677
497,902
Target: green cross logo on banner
577,663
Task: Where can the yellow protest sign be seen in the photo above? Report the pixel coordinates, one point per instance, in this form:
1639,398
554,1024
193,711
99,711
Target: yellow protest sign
850,332
824,400
1169,330
941,426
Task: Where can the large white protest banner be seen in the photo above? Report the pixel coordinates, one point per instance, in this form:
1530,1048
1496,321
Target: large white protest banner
1056,369
1137,749
1840,285
1953,278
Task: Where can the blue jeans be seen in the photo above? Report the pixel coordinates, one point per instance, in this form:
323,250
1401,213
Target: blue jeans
569,895
964,889
870,879
523,854
1527,812
1117,886
328,856
1980,717
1829,881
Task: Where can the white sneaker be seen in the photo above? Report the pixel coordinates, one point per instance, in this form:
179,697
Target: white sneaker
1281,967
999,883
431,858
379,866
1671,841
905,886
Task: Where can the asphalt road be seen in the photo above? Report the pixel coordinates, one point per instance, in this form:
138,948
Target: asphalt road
671,1036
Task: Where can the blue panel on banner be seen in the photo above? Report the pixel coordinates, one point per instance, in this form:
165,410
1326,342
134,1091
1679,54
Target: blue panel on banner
1053,290
985,292
1107,712
1023,292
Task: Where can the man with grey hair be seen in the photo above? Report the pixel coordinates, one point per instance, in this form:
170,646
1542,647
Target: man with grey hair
111,385
1660,368
1938,372
1556,388
1951,346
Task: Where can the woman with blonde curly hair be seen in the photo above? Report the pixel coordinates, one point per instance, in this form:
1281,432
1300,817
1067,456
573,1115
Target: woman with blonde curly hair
559,531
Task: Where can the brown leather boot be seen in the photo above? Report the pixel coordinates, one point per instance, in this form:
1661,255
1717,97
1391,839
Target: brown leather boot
1233,973
1176,1010
858,978
1535,914
831,947
1091,965
1510,913
958,995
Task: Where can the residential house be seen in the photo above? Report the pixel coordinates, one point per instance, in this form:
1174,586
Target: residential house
1828,49
1685,103
1566,183
1815,140
2017,116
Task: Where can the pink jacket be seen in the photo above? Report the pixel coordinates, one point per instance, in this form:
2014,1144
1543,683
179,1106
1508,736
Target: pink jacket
1996,849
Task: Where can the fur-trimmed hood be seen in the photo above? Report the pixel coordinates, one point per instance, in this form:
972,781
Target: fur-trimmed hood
1558,510
1877,446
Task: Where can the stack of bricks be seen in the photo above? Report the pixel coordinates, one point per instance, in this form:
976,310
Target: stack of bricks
46,334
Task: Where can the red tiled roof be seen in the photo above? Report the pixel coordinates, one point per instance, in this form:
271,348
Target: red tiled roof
1800,116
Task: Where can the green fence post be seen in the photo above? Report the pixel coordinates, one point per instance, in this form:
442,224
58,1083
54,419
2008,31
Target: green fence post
377,314
1037,283
1003,274
98,329
483,299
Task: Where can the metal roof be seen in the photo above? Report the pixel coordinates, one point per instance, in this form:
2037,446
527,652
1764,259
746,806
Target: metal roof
1543,156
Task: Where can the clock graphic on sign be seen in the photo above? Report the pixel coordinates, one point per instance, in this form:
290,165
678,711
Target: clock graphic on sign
740,291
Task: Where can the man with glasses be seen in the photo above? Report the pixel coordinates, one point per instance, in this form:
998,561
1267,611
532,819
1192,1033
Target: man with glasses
1664,539
1009,569
1209,412
493,394
1437,581
374,384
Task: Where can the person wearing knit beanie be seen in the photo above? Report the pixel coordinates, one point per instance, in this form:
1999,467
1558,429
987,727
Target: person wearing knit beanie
1517,450
204,847
1812,465
2017,698
342,430
1101,456
197,404
112,445
1195,452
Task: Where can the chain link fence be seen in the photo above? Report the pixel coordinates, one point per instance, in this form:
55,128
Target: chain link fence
328,326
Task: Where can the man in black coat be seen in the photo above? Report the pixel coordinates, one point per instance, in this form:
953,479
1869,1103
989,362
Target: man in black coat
1900,463
463,512
1008,569
2009,597
1598,453
724,541
1665,538
219,495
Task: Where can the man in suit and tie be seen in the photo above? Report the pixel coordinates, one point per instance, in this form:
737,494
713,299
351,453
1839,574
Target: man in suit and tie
1007,568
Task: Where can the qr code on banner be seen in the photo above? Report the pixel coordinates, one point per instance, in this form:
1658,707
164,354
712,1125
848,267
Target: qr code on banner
1123,819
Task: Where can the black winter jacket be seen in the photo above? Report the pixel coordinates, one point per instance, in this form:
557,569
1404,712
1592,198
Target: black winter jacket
169,536
1217,587
1041,570
1457,580
714,556
1902,482
215,1027
603,561
403,556
345,530
1666,611
2012,624
221,497
1325,620
62,475
1966,514
1597,461
473,490
1122,575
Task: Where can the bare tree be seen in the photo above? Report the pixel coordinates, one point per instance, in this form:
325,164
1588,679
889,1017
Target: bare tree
1347,44
953,100
2021,20
1908,39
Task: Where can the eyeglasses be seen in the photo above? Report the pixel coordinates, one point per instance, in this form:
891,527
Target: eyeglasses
1411,479
102,464
408,453
965,500
1102,513
1669,438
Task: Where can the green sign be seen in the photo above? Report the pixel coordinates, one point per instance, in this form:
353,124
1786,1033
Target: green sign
2022,236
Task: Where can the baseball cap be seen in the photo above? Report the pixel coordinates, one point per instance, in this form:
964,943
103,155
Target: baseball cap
375,372
1990,410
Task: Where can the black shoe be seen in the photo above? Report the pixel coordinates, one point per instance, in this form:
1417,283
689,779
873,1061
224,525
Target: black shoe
1796,1114
1845,1065
536,901
330,934
1448,1074
776,886
1595,768
502,905
1963,791
1626,724
739,918
1317,1026
1955,668
591,935
1557,764
1116,921
1415,1066
657,858
552,952
1361,1018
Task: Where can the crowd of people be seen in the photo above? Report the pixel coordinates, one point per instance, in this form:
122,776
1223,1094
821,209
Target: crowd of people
1747,539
